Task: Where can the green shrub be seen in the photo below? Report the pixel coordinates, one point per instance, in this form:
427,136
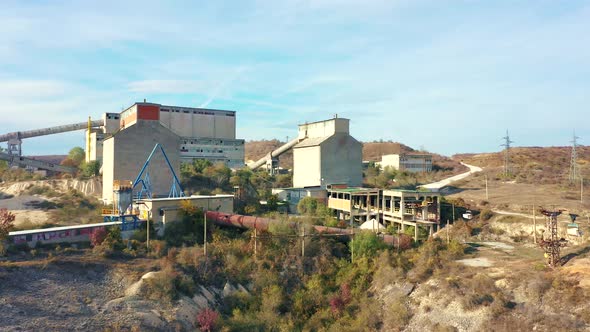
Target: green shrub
111,243
162,286
367,244
188,230
486,214
158,248
397,315
190,258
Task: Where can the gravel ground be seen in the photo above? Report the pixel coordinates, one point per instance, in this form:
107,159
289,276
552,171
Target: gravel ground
60,296
23,207
23,202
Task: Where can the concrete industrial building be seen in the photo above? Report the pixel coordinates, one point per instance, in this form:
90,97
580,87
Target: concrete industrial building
324,154
163,210
293,195
410,162
125,141
327,154
202,133
125,152
399,208
350,204
411,208
96,136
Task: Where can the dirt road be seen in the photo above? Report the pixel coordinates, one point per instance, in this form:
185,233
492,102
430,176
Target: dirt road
447,181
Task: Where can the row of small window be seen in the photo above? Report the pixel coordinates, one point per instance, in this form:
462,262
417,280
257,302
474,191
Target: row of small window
183,149
223,160
426,160
193,112
212,142
421,166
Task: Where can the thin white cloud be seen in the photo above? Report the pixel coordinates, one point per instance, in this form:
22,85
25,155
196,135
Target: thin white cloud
12,89
167,86
379,62
224,84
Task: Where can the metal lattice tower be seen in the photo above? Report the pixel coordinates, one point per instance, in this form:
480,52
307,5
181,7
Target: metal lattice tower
506,146
550,242
574,171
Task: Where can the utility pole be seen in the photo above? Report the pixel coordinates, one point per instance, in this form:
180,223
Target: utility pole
447,227
506,145
581,189
147,242
352,245
574,171
453,204
534,225
205,235
255,243
487,195
302,240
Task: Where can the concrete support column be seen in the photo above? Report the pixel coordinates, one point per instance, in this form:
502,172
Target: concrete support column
416,232
402,209
367,207
437,200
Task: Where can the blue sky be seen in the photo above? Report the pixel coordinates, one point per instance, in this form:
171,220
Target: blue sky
448,76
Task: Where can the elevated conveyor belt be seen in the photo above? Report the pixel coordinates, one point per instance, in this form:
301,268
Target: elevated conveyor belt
275,153
24,161
49,131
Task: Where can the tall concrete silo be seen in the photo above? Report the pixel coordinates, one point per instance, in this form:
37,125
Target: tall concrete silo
327,154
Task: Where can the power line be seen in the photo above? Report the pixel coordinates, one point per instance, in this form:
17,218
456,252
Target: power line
574,171
506,146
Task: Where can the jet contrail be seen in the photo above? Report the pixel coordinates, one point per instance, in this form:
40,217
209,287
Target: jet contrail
222,85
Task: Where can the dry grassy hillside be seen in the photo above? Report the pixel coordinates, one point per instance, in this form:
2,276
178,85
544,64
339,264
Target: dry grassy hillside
540,165
372,151
258,149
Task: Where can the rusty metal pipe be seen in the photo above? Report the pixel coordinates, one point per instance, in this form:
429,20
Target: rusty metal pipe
262,224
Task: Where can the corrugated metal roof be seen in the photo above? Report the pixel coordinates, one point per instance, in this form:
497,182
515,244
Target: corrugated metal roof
355,190
311,142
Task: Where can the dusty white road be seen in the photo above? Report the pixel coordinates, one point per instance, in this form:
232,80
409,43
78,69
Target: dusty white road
447,181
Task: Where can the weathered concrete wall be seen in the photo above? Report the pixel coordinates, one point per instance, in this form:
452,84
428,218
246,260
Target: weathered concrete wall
307,167
342,160
329,155
194,122
171,207
324,128
126,152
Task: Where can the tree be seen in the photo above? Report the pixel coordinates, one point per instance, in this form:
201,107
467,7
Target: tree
77,155
284,180
199,165
219,174
6,222
207,319
90,169
308,205
366,244
272,202
98,236
3,163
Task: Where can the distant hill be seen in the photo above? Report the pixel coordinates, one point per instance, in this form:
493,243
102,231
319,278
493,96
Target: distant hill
372,151
54,159
255,150
543,165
